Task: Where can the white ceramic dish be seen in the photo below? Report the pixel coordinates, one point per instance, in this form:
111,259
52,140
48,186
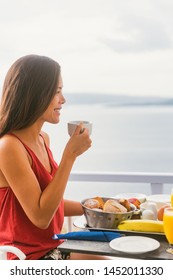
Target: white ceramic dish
140,196
134,244
159,199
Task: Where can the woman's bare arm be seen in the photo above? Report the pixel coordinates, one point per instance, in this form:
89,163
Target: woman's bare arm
72,208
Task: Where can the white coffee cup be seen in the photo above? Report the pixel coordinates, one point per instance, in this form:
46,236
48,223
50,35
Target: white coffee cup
72,126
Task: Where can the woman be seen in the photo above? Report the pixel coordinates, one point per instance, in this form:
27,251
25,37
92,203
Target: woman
32,185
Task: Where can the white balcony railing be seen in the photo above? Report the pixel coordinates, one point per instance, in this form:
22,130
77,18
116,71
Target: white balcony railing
156,180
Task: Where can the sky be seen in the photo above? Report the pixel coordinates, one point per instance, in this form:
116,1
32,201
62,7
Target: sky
103,46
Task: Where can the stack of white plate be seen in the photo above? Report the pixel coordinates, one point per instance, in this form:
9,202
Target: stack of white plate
159,199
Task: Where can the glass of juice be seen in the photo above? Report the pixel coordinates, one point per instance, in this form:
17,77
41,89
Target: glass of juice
172,197
168,227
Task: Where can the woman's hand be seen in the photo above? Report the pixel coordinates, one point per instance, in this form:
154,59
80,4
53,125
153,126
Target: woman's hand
79,142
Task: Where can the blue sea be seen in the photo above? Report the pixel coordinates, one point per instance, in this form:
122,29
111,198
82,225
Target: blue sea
124,139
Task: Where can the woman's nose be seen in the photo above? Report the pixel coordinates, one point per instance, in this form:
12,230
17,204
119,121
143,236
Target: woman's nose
63,99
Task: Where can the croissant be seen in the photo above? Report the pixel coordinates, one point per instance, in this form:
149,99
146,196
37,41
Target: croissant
125,203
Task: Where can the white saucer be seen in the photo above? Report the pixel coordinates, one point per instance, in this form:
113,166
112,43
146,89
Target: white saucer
134,244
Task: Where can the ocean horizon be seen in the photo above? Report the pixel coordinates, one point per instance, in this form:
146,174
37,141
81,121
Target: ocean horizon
120,100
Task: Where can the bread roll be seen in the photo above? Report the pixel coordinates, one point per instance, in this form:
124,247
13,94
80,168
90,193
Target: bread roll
113,206
91,203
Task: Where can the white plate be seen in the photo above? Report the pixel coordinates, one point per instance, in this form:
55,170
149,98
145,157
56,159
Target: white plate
140,196
159,199
134,244
80,222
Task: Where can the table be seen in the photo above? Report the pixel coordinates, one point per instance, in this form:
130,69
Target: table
103,248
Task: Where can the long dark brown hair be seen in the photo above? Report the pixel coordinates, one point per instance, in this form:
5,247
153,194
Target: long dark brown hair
29,86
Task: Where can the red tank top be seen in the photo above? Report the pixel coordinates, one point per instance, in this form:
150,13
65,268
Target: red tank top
15,227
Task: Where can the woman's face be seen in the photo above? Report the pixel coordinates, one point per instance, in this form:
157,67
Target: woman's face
52,113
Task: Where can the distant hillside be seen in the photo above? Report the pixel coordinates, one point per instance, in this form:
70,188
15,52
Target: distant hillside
116,100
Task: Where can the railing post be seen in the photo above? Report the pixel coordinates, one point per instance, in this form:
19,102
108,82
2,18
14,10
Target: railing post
69,224
156,188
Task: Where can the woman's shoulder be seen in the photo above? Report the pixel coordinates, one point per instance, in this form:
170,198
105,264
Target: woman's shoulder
11,148
9,143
